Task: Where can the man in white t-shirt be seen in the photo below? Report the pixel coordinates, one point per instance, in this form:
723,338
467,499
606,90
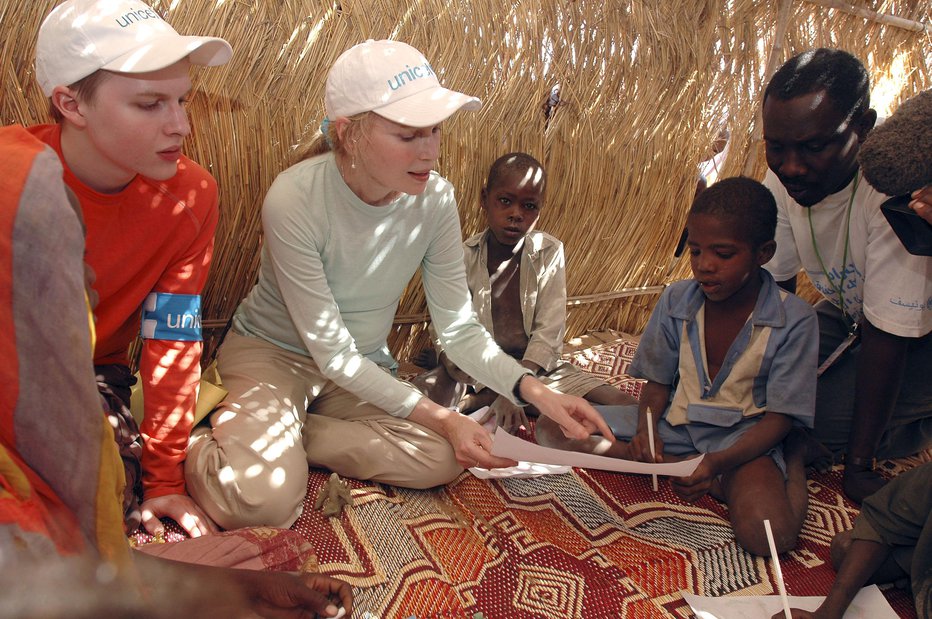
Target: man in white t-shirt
876,398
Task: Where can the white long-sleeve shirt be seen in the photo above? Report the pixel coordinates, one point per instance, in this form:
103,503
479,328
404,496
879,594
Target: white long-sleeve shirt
333,270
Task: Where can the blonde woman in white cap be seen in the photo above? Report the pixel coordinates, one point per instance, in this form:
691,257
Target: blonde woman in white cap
116,75
306,363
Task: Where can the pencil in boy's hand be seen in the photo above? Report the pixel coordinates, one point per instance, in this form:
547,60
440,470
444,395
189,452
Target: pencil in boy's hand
777,570
650,438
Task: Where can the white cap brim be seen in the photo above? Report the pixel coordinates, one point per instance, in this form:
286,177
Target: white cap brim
165,51
428,107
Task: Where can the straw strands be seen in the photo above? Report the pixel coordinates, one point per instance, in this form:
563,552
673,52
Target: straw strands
619,100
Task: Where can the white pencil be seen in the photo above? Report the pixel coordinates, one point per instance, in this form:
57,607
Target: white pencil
650,437
779,572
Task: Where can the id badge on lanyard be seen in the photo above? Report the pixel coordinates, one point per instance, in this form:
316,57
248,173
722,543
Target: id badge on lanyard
854,332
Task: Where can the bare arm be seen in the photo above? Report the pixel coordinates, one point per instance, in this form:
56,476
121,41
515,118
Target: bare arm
863,559
251,593
879,374
880,370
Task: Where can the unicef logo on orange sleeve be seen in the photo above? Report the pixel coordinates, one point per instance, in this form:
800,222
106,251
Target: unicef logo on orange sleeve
171,317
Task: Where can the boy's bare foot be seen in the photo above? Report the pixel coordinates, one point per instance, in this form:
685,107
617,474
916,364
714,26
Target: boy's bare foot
860,481
799,444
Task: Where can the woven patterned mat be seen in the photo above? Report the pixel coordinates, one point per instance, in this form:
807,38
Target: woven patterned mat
584,544
579,545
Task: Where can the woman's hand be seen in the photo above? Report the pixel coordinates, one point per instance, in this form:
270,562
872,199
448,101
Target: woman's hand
472,444
576,417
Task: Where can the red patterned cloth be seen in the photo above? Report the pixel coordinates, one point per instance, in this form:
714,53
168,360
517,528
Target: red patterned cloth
259,548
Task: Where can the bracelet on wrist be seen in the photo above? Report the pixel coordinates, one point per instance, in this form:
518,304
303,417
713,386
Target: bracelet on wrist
516,391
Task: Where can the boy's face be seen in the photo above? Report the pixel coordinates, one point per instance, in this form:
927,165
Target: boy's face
811,146
721,261
135,124
513,205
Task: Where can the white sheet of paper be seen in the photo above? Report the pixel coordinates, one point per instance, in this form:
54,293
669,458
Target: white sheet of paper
869,603
524,469
478,414
508,446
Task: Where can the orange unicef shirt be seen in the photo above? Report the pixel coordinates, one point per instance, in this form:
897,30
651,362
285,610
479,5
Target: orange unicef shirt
152,237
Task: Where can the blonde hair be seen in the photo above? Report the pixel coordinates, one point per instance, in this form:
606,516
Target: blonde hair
331,141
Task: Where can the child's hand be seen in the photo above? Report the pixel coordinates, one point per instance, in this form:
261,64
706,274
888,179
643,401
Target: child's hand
507,415
639,448
698,484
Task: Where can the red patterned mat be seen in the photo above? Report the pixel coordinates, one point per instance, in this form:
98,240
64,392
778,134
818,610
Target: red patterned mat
586,544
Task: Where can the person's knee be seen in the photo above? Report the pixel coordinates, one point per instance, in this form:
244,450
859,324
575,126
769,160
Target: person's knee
442,473
841,543
272,497
241,494
435,465
751,535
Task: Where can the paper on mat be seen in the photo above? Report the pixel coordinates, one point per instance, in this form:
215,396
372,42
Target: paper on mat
524,469
508,446
869,603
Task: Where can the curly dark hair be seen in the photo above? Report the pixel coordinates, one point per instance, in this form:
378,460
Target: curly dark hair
838,73
743,201
513,162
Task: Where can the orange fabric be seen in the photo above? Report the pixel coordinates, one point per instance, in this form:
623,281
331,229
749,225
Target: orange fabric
24,498
28,502
60,475
151,237
14,169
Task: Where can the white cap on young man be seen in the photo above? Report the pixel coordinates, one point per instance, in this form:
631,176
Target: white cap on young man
80,37
395,81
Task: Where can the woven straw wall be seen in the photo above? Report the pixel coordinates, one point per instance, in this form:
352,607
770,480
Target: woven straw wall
644,87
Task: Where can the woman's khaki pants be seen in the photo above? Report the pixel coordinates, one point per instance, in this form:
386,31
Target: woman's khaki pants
250,468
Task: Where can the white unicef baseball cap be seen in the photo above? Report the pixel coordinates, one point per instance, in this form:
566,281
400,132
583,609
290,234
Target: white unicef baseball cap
393,80
81,36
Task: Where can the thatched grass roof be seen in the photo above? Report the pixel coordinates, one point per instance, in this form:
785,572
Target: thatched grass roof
644,87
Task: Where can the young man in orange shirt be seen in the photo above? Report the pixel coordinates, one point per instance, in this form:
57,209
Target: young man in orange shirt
116,75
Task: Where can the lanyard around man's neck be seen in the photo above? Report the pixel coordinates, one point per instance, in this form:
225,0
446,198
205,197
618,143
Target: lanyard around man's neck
839,289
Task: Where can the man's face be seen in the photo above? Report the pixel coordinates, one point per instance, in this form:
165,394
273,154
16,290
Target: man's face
135,124
811,146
